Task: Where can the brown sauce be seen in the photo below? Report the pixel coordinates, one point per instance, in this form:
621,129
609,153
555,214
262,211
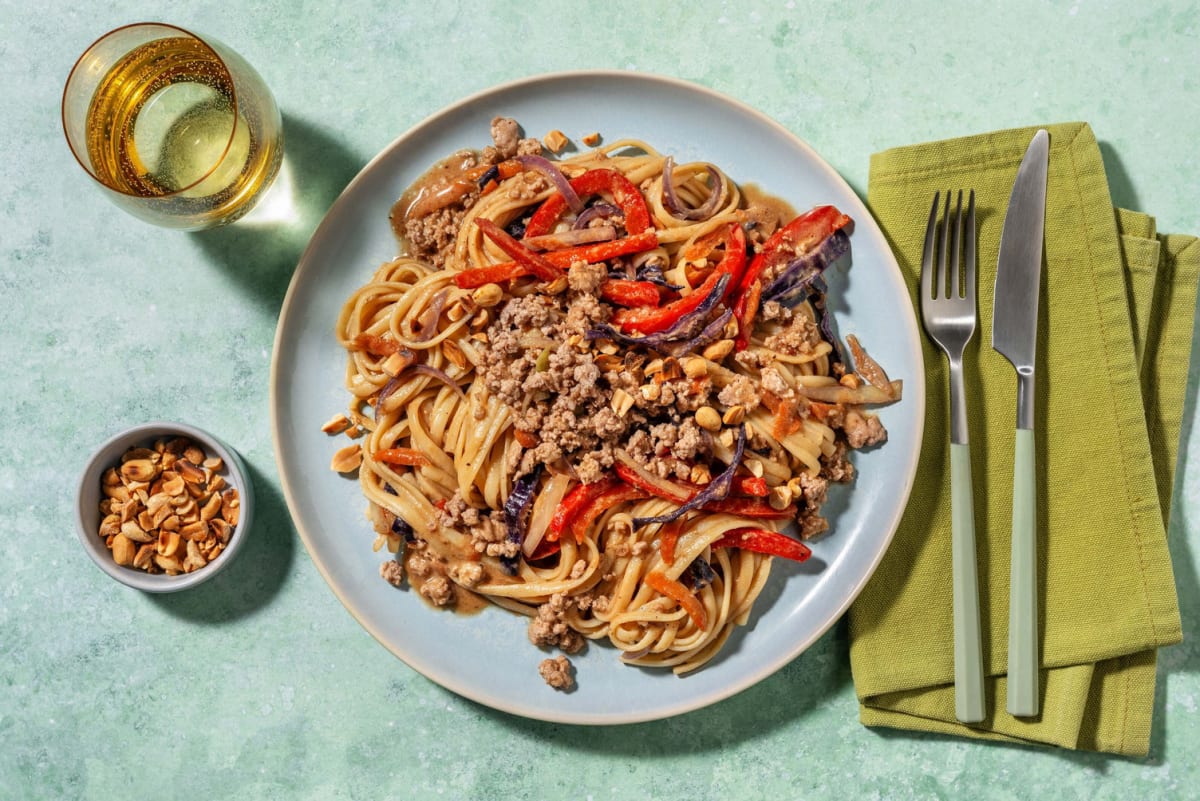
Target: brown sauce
753,195
465,602
444,183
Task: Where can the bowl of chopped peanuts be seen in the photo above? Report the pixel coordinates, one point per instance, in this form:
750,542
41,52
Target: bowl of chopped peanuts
163,506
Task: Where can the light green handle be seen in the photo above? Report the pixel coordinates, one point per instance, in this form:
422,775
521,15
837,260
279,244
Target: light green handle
968,654
1022,601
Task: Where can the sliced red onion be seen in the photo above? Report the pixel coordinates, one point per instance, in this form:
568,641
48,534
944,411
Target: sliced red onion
825,319
679,348
575,236
699,574
429,319
790,286
392,385
555,175
654,274
717,490
686,327
515,508
596,211
435,373
675,205
401,527
648,257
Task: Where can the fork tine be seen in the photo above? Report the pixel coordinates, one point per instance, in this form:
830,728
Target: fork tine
941,261
969,249
955,249
928,254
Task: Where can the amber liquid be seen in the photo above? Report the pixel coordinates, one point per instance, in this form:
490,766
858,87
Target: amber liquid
164,123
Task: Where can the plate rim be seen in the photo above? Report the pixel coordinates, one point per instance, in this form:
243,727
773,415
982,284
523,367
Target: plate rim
914,393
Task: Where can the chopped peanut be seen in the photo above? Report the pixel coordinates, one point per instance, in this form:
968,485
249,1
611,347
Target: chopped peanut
158,499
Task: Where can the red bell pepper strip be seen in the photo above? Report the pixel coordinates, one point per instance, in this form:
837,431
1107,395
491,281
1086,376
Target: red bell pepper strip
531,261
796,237
631,477
668,538
679,492
593,182
574,502
600,251
761,540
547,547
677,592
649,321
491,274
751,485
603,251
600,504
752,507
402,456
629,293
683,491
745,309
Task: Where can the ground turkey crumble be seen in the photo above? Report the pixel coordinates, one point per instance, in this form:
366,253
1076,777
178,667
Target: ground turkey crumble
549,627
558,673
538,363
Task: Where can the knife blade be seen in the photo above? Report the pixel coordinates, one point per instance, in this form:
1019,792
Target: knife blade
1014,335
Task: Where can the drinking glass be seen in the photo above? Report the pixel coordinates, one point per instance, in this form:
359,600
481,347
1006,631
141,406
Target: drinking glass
176,128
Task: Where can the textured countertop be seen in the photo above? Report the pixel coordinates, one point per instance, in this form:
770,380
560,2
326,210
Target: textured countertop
259,685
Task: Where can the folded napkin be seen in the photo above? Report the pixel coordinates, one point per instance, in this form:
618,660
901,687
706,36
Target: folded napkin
1117,311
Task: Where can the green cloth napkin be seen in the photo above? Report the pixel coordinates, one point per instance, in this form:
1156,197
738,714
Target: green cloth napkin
1114,343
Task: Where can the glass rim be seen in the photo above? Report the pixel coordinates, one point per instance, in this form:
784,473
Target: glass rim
85,163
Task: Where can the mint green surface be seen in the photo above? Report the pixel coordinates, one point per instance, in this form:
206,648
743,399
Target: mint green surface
258,684
1022,700
969,704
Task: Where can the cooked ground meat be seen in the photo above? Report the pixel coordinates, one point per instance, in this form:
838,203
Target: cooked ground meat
587,277
549,628
774,310
467,574
526,186
558,673
773,382
432,236
506,133
438,590
392,572
862,429
836,467
490,536
813,493
800,337
740,392
420,565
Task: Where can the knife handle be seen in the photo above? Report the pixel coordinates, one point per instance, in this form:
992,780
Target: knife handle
1022,603
968,656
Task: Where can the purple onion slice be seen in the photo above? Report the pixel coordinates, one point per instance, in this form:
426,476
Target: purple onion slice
673,203
555,175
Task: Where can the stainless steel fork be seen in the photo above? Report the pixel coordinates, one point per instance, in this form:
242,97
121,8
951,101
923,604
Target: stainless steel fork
948,311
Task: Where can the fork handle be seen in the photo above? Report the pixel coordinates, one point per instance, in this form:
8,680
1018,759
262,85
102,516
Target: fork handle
1023,582
968,656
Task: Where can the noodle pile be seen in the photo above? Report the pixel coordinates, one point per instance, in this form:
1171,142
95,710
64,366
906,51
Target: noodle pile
441,455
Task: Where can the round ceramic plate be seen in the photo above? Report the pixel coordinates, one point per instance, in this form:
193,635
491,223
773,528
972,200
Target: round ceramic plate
486,656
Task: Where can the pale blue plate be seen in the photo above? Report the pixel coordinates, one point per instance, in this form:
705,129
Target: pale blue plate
486,657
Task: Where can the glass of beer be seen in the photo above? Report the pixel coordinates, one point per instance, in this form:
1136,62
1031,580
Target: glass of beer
177,128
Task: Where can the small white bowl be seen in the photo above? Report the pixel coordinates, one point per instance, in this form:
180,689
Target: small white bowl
89,495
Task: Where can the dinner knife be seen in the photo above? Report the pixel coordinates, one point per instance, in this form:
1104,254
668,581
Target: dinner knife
1014,335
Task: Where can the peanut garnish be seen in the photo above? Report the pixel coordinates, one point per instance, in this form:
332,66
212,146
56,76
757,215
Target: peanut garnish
159,499
708,418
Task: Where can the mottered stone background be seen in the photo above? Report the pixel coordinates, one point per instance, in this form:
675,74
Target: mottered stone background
259,685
